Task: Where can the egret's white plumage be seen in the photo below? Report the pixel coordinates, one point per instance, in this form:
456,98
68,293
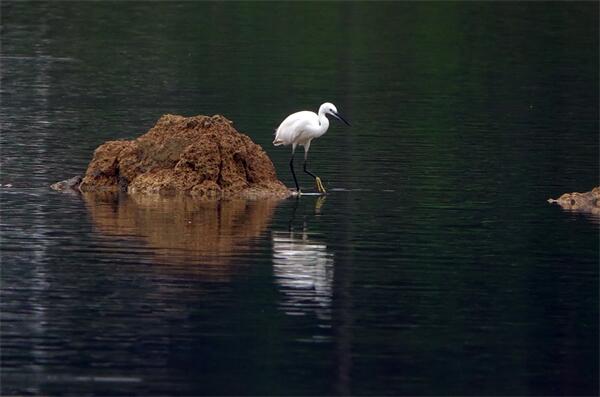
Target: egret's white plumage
301,128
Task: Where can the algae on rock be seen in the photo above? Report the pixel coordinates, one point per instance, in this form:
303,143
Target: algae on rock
200,156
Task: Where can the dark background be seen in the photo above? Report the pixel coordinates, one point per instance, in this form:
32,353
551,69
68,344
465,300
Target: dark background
433,267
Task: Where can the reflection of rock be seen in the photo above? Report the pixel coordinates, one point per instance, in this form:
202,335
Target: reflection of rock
201,156
68,186
182,230
584,202
304,272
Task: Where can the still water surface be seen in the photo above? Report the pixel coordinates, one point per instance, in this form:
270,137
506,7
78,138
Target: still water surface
434,266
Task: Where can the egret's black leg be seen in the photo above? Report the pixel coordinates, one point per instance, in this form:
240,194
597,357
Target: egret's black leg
318,182
293,173
307,171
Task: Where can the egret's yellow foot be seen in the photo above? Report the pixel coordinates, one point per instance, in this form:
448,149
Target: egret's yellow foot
320,186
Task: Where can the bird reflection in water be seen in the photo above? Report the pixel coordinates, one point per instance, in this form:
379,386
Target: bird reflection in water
303,269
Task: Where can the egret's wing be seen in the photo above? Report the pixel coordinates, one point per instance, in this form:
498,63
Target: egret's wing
290,129
298,128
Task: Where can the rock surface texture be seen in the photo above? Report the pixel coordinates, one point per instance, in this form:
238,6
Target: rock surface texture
68,186
585,202
200,156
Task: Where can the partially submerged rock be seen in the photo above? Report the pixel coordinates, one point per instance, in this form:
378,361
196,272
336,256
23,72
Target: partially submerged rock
200,156
70,185
584,202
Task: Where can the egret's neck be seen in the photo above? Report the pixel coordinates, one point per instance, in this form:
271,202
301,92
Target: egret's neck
323,122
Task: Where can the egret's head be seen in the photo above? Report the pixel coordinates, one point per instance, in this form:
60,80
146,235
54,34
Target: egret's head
329,108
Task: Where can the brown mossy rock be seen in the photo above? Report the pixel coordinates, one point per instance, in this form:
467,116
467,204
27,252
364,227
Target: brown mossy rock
200,156
584,202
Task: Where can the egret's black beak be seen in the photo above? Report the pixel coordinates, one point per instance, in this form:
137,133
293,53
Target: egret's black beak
339,117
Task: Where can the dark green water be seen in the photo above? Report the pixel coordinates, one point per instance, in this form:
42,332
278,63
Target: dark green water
433,267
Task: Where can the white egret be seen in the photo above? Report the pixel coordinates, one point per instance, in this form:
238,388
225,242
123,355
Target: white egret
301,128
